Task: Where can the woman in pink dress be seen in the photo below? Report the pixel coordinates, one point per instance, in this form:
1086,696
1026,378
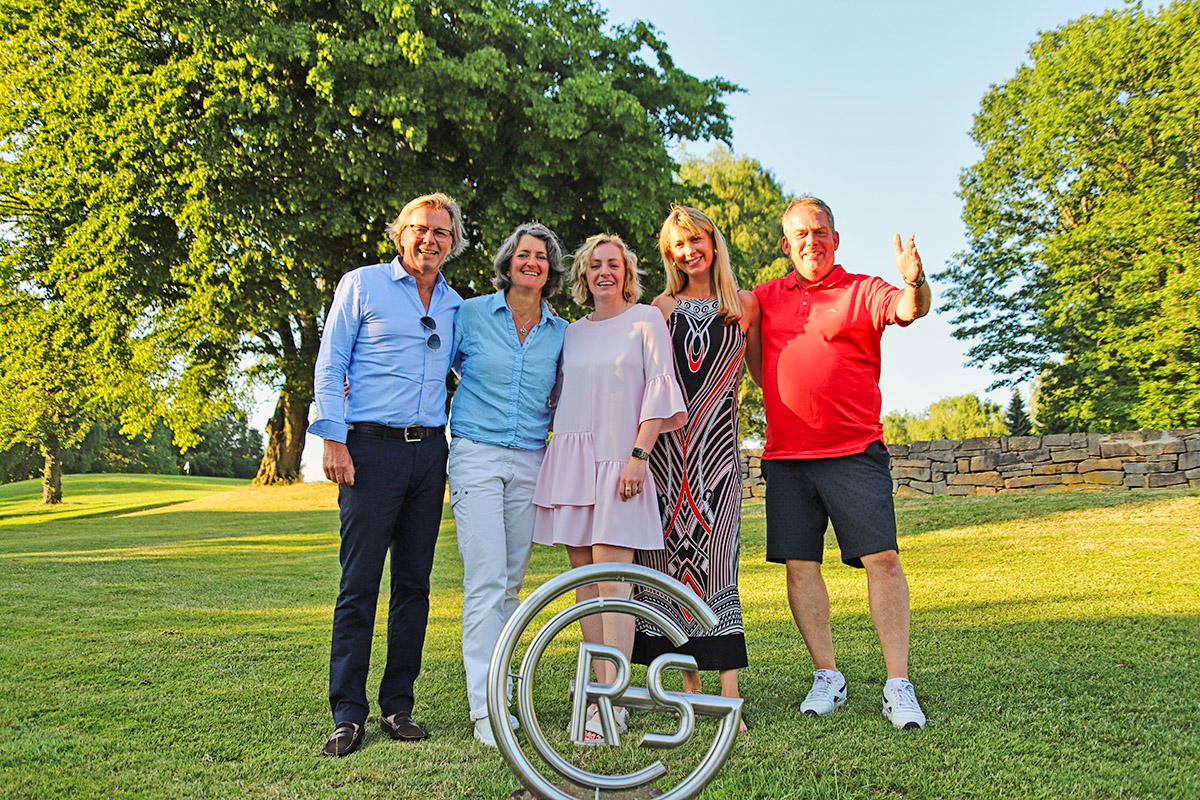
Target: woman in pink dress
594,492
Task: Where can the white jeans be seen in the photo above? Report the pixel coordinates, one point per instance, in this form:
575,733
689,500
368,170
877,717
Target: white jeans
491,493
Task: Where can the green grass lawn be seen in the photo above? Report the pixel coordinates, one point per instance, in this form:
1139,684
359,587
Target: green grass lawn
169,637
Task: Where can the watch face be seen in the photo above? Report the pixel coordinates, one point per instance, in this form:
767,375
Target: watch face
640,453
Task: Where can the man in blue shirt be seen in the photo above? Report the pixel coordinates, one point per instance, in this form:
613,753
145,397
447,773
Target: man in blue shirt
388,335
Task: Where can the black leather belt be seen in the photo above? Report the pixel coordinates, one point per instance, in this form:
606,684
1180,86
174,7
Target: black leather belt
413,433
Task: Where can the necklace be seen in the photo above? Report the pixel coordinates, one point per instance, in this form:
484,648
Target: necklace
523,328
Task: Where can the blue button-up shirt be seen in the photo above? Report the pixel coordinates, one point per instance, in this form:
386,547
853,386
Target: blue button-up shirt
374,340
503,395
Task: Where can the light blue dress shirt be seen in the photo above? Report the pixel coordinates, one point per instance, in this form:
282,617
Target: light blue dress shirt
374,340
503,394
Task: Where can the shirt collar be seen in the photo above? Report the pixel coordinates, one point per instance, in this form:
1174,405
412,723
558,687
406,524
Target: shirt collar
399,273
496,303
832,279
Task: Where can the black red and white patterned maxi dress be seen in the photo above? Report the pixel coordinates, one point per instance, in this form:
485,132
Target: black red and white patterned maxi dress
697,472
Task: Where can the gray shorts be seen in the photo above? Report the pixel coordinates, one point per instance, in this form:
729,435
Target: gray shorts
805,494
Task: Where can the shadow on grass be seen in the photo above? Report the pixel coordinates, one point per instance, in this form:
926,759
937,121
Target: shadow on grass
110,484
927,514
1012,706
215,624
205,534
106,512
92,495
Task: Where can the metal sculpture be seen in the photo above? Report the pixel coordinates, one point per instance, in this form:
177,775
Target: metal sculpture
686,705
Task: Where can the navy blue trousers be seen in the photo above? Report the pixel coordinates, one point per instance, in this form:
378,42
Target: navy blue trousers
394,505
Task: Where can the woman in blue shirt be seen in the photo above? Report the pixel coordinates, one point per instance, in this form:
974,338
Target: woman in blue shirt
507,347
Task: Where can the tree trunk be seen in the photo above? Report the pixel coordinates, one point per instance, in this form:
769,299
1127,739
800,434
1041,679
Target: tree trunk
285,440
52,476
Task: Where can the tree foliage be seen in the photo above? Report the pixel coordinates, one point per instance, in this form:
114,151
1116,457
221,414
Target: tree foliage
19,462
1016,418
205,172
961,417
1083,221
228,448
47,382
746,202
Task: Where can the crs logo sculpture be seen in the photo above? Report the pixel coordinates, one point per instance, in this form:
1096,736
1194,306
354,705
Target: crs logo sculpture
727,709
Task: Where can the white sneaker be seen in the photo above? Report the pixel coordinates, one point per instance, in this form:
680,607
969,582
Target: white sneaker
900,704
827,695
483,730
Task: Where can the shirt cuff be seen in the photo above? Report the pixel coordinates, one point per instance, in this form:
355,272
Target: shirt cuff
328,429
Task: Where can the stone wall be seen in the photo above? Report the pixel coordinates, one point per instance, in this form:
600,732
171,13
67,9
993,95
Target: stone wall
989,465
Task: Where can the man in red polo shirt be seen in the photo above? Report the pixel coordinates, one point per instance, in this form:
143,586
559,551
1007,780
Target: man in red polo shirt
825,459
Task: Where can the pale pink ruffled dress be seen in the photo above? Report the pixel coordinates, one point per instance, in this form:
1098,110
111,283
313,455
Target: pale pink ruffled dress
617,373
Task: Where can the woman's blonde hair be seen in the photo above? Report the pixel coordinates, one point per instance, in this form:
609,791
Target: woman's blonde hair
692,221
581,293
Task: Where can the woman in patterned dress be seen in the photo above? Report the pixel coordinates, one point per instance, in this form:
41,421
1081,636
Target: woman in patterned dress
697,468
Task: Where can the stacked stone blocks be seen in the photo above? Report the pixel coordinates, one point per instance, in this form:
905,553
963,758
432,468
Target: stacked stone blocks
1145,459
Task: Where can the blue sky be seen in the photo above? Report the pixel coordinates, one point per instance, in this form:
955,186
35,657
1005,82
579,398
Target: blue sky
867,105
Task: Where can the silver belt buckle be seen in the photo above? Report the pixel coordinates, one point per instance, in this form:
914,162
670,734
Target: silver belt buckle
406,438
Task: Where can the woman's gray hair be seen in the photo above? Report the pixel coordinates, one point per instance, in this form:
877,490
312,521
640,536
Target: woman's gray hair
504,256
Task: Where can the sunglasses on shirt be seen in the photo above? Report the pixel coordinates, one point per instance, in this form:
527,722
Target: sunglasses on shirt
430,325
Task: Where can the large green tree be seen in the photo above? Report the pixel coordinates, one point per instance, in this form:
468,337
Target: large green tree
207,171
746,202
1083,222
47,379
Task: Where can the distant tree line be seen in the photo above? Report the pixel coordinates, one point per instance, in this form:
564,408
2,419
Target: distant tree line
961,417
228,448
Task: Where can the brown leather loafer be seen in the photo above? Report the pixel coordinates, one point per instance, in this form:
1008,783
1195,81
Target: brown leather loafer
346,738
401,726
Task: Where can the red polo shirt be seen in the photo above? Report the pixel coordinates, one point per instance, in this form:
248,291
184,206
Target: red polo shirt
821,362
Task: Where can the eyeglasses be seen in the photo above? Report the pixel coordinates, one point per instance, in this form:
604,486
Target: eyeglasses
430,325
439,234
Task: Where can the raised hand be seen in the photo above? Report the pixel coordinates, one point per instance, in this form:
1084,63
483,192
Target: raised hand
908,259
